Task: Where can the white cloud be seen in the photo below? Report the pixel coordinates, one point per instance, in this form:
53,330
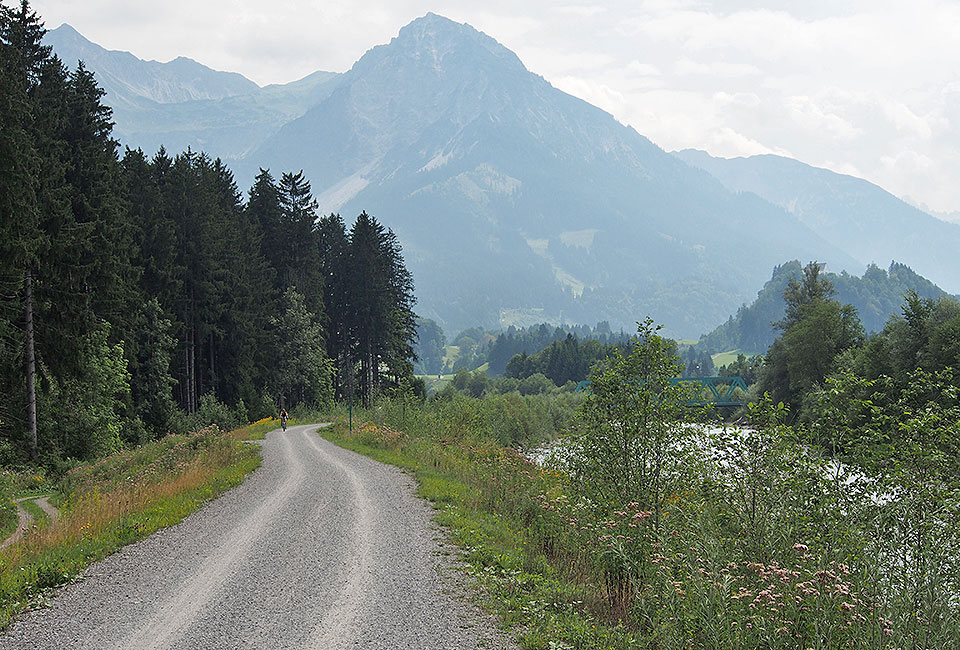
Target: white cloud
811,116
598,94
905,120
714,68
643,69
581,10
727,143
908,162
536,57
746,100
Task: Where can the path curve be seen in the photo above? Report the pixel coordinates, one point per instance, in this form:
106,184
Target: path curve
319,549
24,518
47,507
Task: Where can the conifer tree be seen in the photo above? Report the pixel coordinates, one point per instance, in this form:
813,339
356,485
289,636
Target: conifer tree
381,312
20,236
263,207
22,56
298,251
243,331
157,257
333,249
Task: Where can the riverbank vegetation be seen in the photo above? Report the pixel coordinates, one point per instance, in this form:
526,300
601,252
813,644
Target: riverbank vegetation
840,530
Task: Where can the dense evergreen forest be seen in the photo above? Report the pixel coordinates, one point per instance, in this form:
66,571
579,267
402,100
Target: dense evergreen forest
477,346
140,296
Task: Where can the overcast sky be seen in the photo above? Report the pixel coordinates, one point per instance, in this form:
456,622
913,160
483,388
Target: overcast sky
869,88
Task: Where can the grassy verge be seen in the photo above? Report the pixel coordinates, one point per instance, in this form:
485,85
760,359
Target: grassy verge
256,431
118,500
487,496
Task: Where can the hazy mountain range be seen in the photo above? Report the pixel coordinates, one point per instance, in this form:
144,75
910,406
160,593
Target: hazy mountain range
866,221
184,104
515,202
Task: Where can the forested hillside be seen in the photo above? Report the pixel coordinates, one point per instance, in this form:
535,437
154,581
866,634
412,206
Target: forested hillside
139,295
876,295
822,352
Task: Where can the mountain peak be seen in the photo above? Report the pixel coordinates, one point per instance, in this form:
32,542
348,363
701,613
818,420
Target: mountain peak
432,25
66,34
446,41
67,28
431,18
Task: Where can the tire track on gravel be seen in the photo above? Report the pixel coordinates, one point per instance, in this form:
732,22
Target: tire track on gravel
338,627
176,613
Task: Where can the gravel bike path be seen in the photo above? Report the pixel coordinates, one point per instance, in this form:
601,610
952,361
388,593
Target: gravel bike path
319,549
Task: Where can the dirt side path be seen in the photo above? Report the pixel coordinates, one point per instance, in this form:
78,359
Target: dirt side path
23,524
24,518
320,548
52,512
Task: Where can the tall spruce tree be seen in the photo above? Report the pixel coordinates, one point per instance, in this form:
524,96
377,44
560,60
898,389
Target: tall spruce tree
72,242
263,207
298,251
381,310
240,355
23,57
334,252
20,236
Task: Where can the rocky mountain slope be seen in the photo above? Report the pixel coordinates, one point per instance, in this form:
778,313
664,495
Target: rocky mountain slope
514,202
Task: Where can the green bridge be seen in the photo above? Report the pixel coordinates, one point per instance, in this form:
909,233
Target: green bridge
714,391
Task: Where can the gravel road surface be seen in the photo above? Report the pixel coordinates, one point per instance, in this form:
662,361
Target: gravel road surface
320,549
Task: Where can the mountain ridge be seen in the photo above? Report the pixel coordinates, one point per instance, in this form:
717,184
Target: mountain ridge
875,225
184,104
127,78
512,199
